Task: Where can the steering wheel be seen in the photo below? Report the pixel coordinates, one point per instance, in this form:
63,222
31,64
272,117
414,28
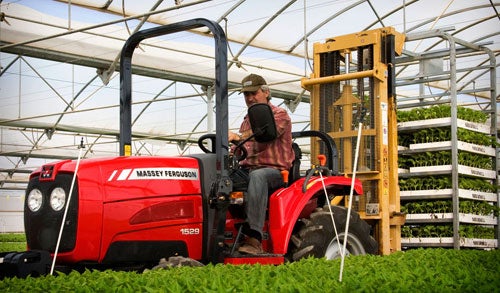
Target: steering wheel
202,146
240,152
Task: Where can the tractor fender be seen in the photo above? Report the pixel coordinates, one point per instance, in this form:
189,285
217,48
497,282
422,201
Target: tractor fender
286,205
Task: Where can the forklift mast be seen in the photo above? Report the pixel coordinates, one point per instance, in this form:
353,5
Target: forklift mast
352,84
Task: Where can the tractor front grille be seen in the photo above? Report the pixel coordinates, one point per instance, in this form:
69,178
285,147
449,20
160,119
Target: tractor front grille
42,227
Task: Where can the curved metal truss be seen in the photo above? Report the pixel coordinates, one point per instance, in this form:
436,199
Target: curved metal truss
58,60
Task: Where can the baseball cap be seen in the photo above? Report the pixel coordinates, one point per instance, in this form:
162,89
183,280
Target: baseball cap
252,83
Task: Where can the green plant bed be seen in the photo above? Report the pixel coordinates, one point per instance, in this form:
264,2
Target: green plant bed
427,230
444,182
12,242
438,134
446,230
427,206
12,246
440,158
475,207
441,111
418,270
474,231
425,183
12,237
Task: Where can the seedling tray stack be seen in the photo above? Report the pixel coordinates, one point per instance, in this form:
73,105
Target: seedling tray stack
447,180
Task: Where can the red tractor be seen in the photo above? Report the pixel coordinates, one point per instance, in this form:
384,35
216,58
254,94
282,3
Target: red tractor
130,210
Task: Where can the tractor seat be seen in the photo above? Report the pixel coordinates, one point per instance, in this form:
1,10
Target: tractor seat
294,171
240,176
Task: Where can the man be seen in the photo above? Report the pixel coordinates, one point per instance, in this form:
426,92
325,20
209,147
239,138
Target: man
265,161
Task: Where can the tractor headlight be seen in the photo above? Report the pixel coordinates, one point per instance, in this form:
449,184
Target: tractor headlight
35,200
57,199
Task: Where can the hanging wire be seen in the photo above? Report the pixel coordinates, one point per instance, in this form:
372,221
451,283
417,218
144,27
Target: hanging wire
125,22
234,58
494,8
376,14
436,21
476,99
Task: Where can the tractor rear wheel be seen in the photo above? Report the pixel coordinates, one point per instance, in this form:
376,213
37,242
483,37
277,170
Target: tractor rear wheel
316,236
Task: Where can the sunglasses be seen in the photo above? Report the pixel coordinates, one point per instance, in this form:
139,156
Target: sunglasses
248,94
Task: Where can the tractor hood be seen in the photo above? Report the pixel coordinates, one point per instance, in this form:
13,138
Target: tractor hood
125,178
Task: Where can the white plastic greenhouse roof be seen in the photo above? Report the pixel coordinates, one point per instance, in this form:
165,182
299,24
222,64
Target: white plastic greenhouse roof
267,32
51,95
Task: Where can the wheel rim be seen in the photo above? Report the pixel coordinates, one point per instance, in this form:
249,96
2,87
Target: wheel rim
354,247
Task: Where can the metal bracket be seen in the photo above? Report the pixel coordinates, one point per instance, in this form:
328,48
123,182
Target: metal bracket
292,105
104,75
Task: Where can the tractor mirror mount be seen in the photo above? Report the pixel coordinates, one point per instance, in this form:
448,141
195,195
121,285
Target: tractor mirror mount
262,121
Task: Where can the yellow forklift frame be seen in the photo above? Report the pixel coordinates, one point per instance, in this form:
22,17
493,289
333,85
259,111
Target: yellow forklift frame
343,95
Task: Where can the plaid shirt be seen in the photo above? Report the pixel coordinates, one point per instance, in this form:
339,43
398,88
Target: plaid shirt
276,154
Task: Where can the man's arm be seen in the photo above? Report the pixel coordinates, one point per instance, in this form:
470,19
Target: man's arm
282,120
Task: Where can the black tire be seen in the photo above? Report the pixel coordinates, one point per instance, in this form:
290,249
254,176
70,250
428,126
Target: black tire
316,237
177,262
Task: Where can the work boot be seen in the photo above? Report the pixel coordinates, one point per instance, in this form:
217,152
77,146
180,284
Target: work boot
251,246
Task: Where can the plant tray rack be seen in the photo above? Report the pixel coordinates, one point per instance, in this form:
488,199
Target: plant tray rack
446,169
448,217
448,242
447,194
443,122
445,145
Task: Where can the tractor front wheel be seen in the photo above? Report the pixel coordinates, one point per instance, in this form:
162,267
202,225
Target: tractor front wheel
317,237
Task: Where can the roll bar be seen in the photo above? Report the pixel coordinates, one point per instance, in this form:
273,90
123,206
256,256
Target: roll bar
330,147
221,83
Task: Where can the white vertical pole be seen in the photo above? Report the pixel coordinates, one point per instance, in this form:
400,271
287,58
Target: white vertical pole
66,208
349,208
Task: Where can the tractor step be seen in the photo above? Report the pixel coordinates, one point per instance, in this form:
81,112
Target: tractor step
263,259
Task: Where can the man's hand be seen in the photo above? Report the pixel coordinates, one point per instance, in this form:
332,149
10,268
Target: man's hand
233,136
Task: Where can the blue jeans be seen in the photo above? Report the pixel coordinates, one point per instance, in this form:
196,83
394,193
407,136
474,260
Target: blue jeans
261,181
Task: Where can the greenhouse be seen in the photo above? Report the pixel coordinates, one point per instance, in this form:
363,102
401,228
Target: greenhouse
115,116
